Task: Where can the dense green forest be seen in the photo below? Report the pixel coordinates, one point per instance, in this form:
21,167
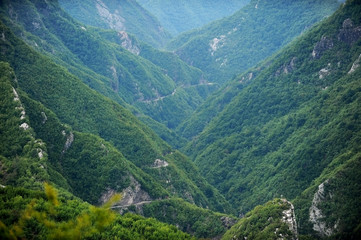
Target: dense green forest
227,47
104,136
74,146
297,117
149,82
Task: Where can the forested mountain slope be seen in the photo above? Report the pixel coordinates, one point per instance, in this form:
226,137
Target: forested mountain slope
293,125
84,142
119,15
184,15
167,90
227,47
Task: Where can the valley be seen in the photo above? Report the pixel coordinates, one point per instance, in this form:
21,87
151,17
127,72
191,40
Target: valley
144,119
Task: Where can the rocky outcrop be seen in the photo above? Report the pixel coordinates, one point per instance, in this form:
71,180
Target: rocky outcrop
316,215
216,43
20,107
127,43
348,33
69,140
289,218
324,44
114,20
158,163
133,195
355,65
228,222
287,67
324,72
45,118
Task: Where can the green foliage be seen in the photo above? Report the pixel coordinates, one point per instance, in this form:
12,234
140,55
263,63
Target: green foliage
250,35
199,222
87,113
34,214
46,220
279,131
263,222
22,157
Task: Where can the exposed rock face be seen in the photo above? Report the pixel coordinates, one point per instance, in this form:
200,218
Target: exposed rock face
69,140
107,195
25,126
324,72
127,43
158,163
216,43
20,107
290,219
355,65
45,118
132,195
228,222
348,33
114,20
287,67
316,216
320,47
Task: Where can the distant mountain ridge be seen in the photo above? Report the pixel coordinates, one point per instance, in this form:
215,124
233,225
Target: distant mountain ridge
125,15
227,47
184,15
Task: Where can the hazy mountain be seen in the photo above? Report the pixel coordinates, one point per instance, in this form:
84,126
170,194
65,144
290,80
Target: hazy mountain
167,90
184,15
119,15
229,46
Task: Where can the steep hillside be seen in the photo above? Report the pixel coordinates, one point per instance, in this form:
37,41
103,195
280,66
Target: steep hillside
273,220
231,45
184,15
191,87
164,172
119,15
70,149
296,116
167,90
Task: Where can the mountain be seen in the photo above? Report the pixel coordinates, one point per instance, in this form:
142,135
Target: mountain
278,145
291,128
227,47
62,131
167,90
83,164
184,15
120,16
